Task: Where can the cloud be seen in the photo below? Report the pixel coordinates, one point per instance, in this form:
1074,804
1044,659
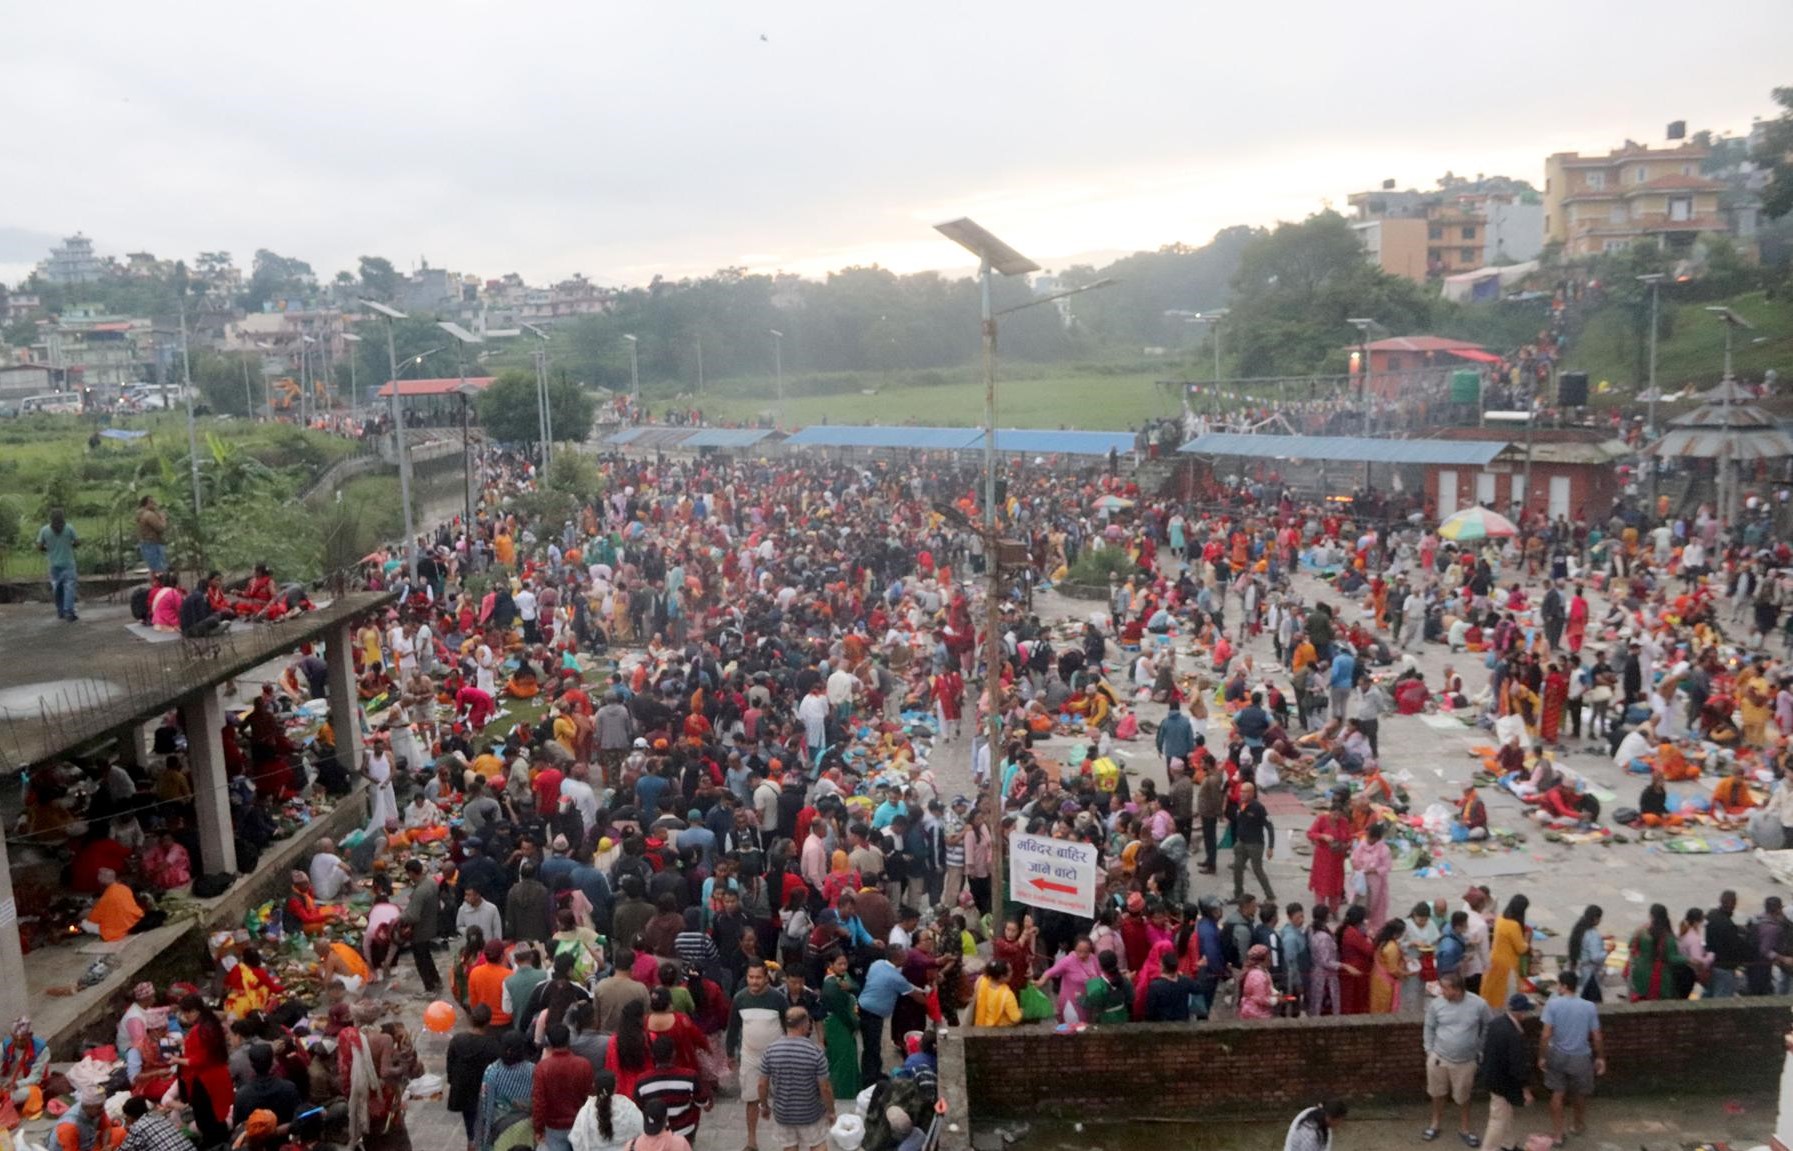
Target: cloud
553,137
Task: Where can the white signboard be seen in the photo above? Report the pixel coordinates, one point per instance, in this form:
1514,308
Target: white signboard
1056,874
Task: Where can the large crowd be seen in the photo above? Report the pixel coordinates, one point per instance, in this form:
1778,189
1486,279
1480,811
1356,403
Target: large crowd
664,787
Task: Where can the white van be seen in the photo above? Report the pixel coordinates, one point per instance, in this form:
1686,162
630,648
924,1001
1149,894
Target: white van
51,403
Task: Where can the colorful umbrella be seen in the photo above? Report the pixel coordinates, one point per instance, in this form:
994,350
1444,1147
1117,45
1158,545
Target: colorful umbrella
1111,503
1476,524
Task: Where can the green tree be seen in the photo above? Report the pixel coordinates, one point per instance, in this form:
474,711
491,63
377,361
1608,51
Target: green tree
1775,151
1299,285
20,333
510,411
379,279
275,277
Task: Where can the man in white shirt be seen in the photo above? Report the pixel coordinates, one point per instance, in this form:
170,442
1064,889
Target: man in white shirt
813,711
843,688
329,874
526,611
576,789
1475,938
403,650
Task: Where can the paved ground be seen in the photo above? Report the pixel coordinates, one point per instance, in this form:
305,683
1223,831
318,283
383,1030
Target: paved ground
1561,879
1629,1125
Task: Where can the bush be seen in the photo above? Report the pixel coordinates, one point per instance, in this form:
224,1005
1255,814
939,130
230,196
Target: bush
1094,567
12,525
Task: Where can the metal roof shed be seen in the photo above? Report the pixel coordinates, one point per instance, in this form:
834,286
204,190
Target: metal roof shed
1047,442
857,436
726,437
1346,449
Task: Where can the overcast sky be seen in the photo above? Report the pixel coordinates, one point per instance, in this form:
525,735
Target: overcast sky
628,140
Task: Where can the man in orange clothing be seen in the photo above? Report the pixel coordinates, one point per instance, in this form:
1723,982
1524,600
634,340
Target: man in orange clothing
115,912
88,1127
485,983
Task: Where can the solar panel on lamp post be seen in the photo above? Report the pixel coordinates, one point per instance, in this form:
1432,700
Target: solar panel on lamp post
392,316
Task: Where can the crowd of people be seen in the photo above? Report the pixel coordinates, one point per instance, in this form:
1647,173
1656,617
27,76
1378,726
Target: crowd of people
665,775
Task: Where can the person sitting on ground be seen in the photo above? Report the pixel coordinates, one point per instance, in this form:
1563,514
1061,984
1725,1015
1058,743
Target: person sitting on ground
115,913
1653,804
1472,813
1732,796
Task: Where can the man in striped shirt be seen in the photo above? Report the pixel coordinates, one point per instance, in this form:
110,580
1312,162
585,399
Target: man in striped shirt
794,1089
678,1087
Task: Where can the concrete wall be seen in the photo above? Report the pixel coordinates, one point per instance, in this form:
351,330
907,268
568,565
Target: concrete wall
1222,1069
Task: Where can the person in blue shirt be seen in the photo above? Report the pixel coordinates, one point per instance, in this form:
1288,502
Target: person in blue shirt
887,810
1452,944
648,790
57,540
1344,670
853,931
1214,971
877,1002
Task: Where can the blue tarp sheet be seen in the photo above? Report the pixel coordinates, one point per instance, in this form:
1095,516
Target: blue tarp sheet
1346,449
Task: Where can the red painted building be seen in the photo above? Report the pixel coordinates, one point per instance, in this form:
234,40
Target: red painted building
1398,362
1576,473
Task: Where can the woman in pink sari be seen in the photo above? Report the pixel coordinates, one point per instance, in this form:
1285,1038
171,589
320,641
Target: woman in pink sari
1074,969
1371,860
1257,993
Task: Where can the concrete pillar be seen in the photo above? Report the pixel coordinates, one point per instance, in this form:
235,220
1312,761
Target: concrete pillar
203,716
15,997
134,743
345,701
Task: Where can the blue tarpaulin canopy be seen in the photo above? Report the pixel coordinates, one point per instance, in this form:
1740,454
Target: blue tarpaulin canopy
1346,449
725,437
861,436
1047,442
122,433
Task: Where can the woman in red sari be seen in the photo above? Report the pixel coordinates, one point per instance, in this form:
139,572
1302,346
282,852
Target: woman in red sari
204,1065
1330,833
1356,957
1578,621
1556,699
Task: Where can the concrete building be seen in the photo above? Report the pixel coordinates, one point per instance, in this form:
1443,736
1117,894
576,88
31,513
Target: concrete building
1457,227
1596,204
72,263
20,380
84,349
1396,245
1572,474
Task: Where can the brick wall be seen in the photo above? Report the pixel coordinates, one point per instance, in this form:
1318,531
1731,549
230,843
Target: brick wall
1229,1068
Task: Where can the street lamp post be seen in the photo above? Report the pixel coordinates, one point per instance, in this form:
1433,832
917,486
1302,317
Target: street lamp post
994,256
462,338
634,369
1727,492
393,315
778,371
187,387
544,412
354,386
1654,279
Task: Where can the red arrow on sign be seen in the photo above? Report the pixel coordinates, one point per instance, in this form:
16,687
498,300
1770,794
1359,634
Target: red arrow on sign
1048,885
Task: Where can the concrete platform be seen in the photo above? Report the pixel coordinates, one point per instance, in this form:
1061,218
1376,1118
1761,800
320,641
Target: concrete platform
66,685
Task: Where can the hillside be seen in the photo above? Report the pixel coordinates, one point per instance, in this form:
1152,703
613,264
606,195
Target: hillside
1691,348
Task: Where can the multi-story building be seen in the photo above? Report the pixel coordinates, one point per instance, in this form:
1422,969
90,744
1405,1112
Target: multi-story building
85,349
1460,226
1596,204
72,263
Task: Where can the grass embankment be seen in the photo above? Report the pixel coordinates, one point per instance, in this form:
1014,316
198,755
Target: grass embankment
42,454
1690,349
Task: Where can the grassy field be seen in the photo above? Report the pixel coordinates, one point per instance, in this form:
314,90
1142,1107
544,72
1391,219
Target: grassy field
1119,395
36,451
1691,349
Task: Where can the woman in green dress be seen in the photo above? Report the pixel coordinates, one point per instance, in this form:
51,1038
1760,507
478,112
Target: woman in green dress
1107,998
840,1031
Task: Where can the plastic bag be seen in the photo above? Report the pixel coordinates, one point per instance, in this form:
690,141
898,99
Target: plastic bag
1034,1004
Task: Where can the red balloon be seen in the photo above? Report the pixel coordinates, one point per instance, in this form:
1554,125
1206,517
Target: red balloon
439,1017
